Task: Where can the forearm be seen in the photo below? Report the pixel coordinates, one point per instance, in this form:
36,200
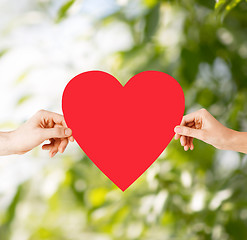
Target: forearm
6,147
238,142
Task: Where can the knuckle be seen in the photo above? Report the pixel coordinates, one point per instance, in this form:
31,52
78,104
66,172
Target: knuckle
40,112
59,131
187,131
183,122
64,123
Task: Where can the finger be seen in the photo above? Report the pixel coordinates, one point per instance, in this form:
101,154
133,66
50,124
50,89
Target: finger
190,139
186,148
187,142
47,146
71,139
63,145
55,117
54,148
177,136
64,123
188,118
49,118
56,132
192,145
189,132
183,140
190,124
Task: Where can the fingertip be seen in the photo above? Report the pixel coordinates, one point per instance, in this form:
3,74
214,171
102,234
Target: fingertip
177,129
52,154
68,132
186,148
183,140
61,150
71,139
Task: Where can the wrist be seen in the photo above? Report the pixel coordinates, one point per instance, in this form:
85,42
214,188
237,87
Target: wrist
6,145
238,142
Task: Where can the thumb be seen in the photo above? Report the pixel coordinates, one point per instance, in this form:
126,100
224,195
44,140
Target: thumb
57,132
189,132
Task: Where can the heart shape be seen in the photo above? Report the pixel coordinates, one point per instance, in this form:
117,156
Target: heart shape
123,130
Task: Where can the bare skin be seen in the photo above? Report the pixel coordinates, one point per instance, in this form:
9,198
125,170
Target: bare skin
203,126
44,125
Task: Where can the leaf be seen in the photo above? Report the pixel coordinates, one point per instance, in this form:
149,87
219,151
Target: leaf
12,207
23,99
3,51
220,3
152,21
232,4
209,3
22,77
62,13
226,5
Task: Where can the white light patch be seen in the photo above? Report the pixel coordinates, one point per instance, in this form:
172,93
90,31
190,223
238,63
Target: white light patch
219,198
197,202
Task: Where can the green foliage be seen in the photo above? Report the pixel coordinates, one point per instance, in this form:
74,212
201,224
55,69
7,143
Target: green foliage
225,6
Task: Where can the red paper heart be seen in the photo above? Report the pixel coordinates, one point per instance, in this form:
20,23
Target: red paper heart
123,130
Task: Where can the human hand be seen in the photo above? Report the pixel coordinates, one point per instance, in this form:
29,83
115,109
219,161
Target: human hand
203,126
44,125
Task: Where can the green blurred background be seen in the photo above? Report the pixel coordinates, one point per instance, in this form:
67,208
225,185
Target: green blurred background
195,195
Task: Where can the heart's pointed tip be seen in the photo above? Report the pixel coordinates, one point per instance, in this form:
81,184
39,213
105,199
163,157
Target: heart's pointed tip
123,189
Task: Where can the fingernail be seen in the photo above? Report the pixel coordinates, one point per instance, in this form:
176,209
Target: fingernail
68,131
53,154
177,130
